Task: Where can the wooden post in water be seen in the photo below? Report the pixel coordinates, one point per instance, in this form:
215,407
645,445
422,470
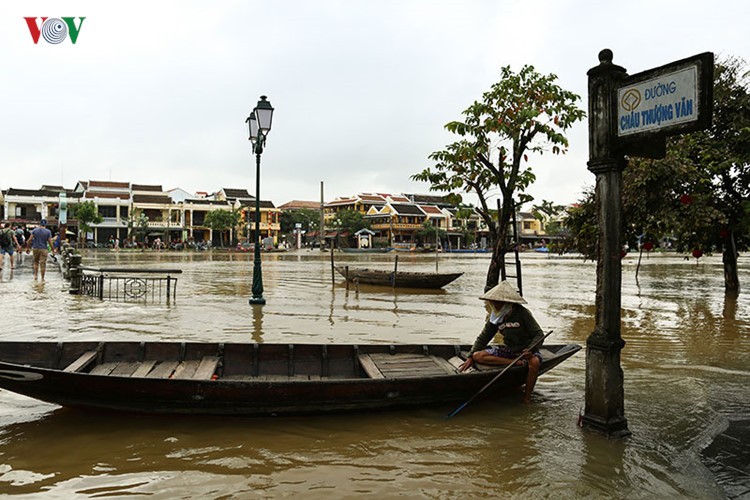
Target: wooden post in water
76,274
322,219
627,116
333,267
605,411
437,243
395,270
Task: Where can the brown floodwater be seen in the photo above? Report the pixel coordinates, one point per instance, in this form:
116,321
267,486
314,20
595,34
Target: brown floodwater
685,363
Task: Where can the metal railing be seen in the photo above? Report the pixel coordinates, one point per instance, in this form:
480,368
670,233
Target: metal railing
128,284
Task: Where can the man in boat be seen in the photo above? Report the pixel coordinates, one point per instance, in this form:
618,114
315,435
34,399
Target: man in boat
519,329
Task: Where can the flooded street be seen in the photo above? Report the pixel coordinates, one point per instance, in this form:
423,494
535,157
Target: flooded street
686,364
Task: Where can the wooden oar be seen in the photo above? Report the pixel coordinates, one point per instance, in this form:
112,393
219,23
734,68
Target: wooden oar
494,379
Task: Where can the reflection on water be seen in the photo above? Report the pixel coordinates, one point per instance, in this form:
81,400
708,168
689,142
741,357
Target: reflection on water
685,363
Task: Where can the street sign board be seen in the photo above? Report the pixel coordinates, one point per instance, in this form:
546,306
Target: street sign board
671,99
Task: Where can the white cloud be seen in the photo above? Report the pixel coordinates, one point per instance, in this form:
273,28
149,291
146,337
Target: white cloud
157,92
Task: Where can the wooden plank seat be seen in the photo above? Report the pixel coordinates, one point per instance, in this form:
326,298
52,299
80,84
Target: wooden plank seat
369,366
163,370
186,369
144,368
83,361
405,366
206,368
104,368
457,361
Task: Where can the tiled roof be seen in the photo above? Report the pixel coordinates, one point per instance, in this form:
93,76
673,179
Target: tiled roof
345,201
31,192
429,199
406,209
431,210
263,204
373,198
108,184
146,187
400,199
105,194
297,204
203,201
152,198
237,193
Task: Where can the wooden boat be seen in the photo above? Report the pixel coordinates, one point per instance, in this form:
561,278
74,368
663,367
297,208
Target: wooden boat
414,249
467,250
401,279
248,379
366,250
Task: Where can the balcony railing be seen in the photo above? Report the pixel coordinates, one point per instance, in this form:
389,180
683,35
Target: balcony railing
397,226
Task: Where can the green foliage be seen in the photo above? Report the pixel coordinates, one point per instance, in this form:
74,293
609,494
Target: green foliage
428,233
138,225
698,195
221,220
546,210
310,220
523,113
350,220
87,214
582,223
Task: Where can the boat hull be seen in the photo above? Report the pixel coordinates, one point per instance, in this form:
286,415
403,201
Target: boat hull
399,279
366,250
249,379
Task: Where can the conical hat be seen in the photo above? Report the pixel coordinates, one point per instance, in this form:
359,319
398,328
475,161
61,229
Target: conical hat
503,292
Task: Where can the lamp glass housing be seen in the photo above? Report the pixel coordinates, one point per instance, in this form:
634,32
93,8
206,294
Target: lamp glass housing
252,124
264,114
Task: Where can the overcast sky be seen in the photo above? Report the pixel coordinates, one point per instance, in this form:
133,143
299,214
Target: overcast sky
157,92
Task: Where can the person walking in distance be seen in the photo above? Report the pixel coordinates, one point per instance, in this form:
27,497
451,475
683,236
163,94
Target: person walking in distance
40,240
8,244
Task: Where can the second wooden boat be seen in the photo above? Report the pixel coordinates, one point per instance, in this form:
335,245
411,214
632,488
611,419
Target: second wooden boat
401,279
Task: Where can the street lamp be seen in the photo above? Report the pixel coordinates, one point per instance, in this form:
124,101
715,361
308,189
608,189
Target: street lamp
259,124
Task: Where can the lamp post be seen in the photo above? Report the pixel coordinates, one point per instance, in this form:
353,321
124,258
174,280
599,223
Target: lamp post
259,123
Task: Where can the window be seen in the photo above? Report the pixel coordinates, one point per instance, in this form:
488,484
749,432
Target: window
108,211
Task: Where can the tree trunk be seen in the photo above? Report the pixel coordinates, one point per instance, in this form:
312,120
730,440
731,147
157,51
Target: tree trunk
731,277
499,249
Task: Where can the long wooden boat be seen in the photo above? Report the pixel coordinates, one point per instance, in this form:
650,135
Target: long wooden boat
414,249
467,250
367,250
401,279
248,379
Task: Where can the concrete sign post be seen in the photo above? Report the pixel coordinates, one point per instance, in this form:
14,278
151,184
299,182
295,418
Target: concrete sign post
629,115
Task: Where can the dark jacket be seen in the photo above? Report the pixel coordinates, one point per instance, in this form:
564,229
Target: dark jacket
519,330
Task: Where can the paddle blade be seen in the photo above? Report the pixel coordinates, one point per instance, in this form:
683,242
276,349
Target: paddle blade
455,412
